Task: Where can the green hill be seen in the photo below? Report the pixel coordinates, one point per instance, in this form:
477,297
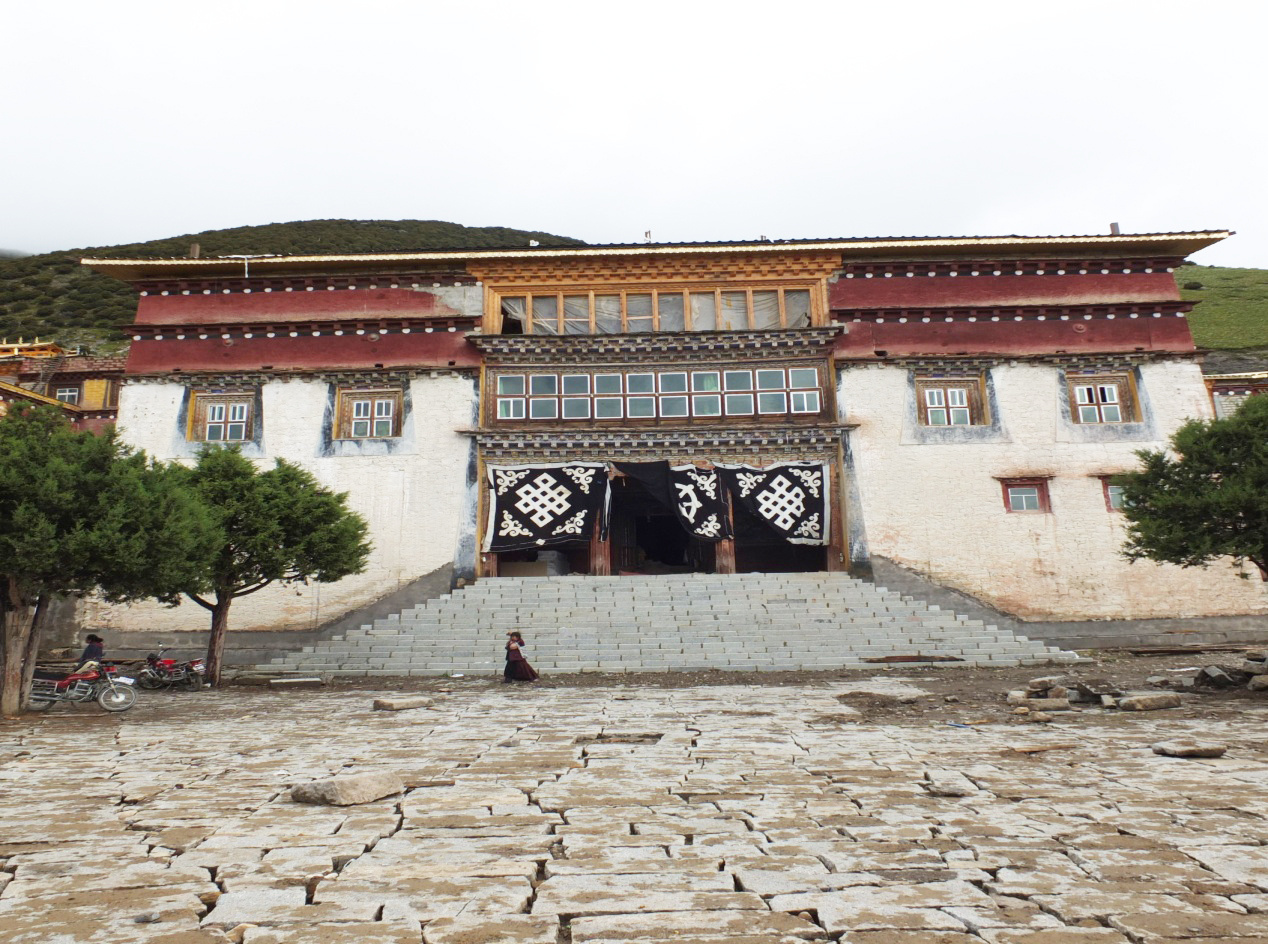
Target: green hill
51,295
1233,314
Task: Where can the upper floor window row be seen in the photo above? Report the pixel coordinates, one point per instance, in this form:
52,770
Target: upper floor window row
360,413
1095,399
630,311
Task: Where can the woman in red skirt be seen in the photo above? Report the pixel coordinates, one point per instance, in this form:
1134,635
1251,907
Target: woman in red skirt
517,667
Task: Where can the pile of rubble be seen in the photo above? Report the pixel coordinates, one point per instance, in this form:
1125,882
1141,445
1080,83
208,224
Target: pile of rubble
1058,693
1252,674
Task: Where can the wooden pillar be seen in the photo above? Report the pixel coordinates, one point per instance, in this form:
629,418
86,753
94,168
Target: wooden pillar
724,550
600,554
839,549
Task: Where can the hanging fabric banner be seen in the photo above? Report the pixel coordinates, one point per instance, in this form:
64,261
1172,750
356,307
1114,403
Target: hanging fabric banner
542,505
791,497
693,493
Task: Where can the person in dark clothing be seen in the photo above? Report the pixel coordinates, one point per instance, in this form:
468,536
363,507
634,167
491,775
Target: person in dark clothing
94,650
517,667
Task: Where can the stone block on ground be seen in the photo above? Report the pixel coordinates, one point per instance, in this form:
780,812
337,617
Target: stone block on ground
350,789
301,683
1149,702
402,703
493,929
1187,748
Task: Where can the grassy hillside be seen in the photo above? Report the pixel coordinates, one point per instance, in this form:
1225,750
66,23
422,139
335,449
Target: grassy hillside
1233,314
53,296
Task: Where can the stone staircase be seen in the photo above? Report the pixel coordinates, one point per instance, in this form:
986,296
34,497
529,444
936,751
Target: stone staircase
679,622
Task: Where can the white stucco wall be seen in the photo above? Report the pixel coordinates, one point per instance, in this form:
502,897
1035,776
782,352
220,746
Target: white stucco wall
413,496
938,507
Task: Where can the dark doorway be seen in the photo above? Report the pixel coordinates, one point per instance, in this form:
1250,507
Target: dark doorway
647,537
758,549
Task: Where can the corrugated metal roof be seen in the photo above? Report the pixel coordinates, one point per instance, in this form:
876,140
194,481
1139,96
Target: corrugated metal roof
1170,243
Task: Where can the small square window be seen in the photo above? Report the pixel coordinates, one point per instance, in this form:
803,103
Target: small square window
1113,495
739,404
608,383
673,406
511,408
705,381
948,403
1026,496
803,377
576,408
805,401
68,394
609,408
576,384
222,418
641,383
368,414
511,385
706,404
739,380
543,409
641,407
673,383
543,385
770,380
772,402
1101,400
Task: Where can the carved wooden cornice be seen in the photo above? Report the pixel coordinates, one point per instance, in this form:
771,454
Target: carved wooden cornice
975,363
987,267
730,443
918,316
644,348
243,379
350,327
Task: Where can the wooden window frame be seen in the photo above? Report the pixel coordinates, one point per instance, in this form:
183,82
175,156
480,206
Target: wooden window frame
975,395
346,420
1127,401
203,416
75,389
494,319
1039,484
1106,485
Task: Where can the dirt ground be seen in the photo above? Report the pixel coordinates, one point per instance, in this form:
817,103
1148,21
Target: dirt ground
956,694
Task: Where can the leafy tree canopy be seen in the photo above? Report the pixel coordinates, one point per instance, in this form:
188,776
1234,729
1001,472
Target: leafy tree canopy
1208,498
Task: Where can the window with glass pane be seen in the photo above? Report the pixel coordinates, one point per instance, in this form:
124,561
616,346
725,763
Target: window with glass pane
707,404
576,384
641,407
1023,498
638,312
772,402
226,421
673,383
947,403
511,385
673,406
1114,497
607,314
545,314
805,401
607,383
739,404
706,381
640,383
68,394
803,377
510,409
576,408
1101,402
543,385
739,379
361,418
704,311
770,380
765,310
576,314
543,409
609,408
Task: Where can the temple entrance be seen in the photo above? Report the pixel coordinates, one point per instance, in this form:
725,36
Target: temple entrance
759,550
646,538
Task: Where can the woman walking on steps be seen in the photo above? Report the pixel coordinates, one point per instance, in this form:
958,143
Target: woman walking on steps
517,667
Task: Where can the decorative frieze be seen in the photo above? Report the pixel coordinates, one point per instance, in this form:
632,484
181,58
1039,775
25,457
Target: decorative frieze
729,443
918,316
412,281
950,364
371,328
990,268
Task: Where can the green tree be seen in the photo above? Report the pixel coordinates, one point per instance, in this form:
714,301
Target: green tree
1207,498
274,526
81,513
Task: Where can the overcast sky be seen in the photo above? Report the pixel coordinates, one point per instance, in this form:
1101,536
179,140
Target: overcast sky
131,120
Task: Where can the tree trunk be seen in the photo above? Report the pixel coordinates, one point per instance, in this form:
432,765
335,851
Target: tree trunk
216,643
32,651
17,618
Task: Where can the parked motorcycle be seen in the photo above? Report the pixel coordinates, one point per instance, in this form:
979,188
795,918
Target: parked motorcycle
169,673
93,681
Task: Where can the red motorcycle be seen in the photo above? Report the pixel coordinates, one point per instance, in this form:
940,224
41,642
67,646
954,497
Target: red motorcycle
169,673
93,681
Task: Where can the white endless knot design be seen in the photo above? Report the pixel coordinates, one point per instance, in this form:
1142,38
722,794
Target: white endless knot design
542,499
782,503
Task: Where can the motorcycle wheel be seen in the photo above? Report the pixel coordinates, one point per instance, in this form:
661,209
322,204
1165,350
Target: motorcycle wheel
40,704
193,682
149,681
120,698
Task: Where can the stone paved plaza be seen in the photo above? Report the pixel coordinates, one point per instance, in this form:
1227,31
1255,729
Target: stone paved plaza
610,814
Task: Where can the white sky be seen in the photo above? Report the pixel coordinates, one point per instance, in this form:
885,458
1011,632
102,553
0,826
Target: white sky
134,120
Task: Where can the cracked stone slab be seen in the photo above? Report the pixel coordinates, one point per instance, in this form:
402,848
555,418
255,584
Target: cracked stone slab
674,926
351,789
493,929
